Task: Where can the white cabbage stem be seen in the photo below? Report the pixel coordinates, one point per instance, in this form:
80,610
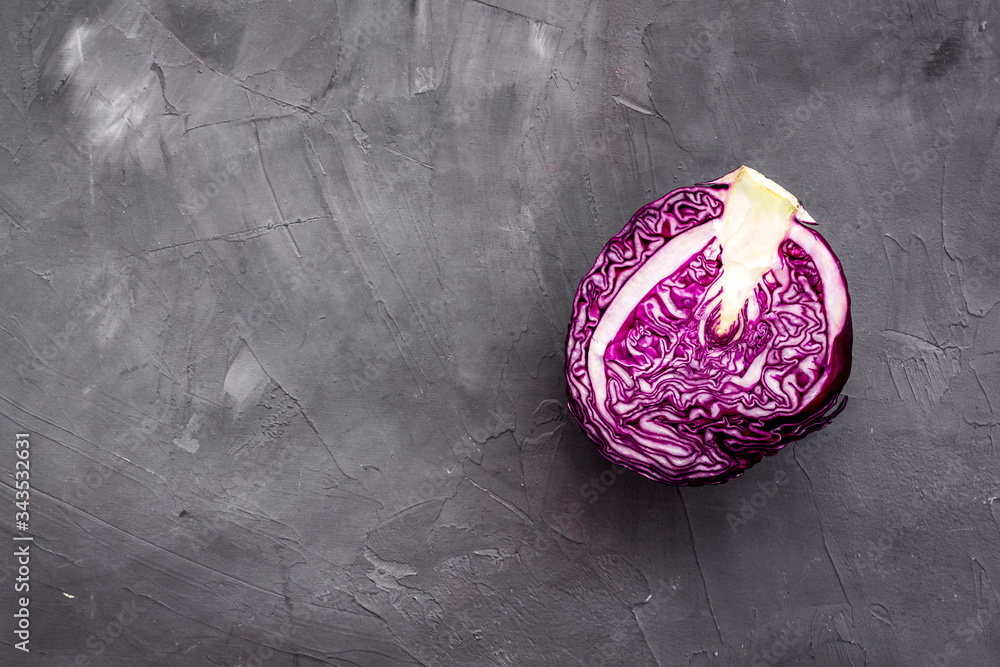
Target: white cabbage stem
758,216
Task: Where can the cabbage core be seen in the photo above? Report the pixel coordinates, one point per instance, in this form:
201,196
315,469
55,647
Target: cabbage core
757,218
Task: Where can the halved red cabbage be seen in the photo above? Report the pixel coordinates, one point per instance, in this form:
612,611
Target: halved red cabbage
714,329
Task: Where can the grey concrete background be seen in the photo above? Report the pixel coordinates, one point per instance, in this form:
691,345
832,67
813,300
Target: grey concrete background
285,292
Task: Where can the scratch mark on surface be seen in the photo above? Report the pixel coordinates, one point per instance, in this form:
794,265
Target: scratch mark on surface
880,613
919,342
822,529
356,253
294,653
80,437
982,387
383,437
46,276
944,228
13,219
400,342
895,383
634,106
405,157
237,121
506,503
513,13
115,529
360,136
926,367
701,572
231,79
236,237
312,148
274,196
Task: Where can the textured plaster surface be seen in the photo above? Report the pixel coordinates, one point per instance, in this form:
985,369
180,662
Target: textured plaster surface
285,293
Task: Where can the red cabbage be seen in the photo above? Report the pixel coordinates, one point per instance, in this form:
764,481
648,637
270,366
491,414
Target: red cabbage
713,330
